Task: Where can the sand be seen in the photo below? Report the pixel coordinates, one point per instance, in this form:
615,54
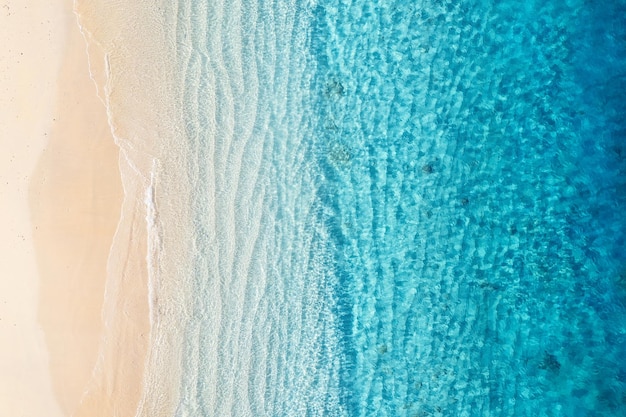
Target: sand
32,45
65,348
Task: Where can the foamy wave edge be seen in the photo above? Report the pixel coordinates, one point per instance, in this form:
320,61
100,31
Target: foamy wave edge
139,172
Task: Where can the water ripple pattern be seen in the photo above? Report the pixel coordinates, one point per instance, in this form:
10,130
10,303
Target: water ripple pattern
473,159
260,334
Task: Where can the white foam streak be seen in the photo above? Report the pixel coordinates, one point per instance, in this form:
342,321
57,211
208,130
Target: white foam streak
154,240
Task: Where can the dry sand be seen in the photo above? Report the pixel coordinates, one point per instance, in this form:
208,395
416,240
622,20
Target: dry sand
57,356
32,39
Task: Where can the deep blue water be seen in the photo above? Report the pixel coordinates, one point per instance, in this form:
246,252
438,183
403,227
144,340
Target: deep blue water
474,179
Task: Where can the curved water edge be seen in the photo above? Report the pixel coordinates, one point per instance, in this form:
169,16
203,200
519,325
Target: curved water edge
129,52
237,270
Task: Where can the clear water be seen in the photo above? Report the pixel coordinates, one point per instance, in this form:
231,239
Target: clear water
405,208
260,336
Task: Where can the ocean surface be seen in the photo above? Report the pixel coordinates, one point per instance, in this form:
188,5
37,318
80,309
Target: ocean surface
403,208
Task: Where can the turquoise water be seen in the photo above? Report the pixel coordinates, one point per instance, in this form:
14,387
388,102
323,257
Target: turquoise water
405,208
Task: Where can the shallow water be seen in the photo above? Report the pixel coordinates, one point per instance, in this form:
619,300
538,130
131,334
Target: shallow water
405,209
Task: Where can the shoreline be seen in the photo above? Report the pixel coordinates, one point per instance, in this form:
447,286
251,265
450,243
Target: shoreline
129,54
76,197
90,322
62,188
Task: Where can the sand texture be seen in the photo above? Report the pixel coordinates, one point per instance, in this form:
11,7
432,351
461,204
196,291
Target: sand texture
32,36
63,349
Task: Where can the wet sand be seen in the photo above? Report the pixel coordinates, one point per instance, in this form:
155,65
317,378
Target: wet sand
64,350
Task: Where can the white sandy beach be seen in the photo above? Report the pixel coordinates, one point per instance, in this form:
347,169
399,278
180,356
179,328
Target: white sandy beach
33,39
61,199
